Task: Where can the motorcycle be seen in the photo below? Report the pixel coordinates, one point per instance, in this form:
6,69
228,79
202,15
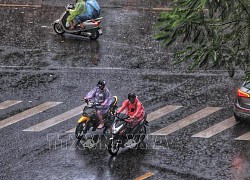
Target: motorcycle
89,118
89,28
123,135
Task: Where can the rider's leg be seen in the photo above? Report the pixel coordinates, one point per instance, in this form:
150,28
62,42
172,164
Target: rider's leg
99,115
81,18
70,19
72,25
137,120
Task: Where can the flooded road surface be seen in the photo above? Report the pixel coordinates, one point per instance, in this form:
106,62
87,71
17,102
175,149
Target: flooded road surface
126,41
44,76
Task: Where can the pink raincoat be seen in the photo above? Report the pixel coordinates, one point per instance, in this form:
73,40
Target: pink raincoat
134,110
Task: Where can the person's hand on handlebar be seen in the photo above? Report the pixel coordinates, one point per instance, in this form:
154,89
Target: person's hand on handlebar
85,100
130,119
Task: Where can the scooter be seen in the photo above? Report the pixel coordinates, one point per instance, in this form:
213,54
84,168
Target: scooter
89,28
89,118
123,135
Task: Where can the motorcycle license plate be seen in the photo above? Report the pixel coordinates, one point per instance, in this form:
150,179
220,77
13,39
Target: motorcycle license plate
100,31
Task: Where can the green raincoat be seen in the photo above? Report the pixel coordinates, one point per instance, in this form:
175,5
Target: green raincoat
79,9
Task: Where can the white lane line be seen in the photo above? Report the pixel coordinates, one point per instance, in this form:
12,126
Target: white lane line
217,128
80,68
162,9
20,5
49,27
56,120
71,130
244,137
153,115
8,103
186,121
161,112
28,113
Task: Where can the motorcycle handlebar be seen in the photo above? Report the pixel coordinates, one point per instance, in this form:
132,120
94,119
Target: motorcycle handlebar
69,6
92,103
85,100
118,116
129,120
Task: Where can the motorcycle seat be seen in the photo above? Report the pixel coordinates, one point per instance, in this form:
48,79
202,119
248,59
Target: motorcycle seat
91,20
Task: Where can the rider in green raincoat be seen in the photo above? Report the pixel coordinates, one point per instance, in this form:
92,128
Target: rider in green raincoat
79,9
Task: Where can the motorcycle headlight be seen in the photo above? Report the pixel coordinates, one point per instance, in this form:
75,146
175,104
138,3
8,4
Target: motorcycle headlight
116,128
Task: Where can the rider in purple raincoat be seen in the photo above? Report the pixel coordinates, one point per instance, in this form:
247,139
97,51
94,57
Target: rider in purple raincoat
100,94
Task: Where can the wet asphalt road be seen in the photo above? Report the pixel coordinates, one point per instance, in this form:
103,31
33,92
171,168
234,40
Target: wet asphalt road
36,66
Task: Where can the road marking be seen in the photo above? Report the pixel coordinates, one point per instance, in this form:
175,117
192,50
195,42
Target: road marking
153,115
71,130
244,137
167,9
56,120
145,176
8,103
20,5
162,9
186,121
195,73
49,27
80,68
217,128
161,112
28,113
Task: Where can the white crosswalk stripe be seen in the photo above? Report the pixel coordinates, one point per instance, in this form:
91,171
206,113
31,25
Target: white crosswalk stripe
207,133
186,121
217,128
161,112
244,137
153,115
56,120
28,113
71,130
8,103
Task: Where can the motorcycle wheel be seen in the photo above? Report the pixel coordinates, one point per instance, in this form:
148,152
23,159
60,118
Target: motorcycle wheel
58,28
140,135
106,131
113,147
94,35
79,130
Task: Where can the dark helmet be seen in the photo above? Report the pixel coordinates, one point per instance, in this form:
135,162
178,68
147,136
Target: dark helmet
131,96
101,83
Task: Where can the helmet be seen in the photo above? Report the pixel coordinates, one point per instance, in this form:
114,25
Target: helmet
70,6
131,96
101,83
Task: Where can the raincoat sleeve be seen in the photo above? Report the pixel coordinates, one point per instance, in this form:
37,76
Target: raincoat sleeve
139,110
106,104
124,105
91,94
108,94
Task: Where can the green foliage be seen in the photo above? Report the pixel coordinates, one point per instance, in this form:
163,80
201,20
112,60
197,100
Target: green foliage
215,33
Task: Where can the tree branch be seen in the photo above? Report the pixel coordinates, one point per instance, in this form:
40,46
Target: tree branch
244,7
223,24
